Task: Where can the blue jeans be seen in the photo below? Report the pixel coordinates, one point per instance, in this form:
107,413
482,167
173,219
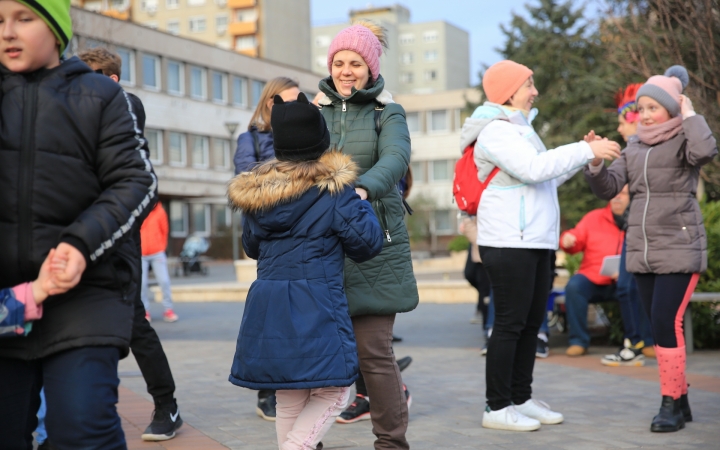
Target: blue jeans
81,390
544,328
580,292
159,266
40,430
635,320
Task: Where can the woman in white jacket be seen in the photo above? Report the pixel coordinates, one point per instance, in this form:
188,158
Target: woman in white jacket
518,228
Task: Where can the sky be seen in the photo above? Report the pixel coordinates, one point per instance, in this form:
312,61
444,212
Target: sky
480,18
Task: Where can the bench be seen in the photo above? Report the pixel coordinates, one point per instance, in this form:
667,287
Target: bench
687,322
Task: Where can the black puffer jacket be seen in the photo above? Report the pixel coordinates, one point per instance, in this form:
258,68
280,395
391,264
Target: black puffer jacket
73,170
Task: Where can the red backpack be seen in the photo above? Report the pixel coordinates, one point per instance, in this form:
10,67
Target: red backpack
467,189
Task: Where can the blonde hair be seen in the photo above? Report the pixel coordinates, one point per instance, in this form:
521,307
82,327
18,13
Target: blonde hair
261,116
379,31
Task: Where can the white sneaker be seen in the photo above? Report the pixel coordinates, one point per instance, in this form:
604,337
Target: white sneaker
540,411
508,419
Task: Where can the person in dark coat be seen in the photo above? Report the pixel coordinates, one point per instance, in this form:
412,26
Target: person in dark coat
254,147
301,218
73,177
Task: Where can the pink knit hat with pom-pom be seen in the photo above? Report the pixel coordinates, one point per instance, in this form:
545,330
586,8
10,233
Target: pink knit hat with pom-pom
362,41
666,89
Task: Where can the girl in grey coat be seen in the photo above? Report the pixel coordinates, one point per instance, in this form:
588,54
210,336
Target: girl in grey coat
666,243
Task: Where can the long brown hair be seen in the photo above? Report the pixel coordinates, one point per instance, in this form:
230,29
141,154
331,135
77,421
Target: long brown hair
261,116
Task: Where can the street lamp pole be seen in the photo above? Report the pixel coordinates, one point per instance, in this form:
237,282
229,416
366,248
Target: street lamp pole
231,127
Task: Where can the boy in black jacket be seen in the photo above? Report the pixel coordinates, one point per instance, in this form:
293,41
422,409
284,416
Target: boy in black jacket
73,176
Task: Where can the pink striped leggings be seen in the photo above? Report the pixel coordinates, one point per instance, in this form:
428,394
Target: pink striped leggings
665,298
303,416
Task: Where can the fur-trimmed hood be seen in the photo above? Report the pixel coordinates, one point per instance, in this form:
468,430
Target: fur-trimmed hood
277,182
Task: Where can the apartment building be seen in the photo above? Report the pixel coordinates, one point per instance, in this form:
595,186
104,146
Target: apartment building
278,30
423,57
197,98
435,121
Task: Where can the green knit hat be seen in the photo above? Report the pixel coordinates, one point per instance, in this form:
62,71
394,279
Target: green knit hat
56,14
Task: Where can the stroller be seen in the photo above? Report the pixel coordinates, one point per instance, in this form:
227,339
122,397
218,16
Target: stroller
194,246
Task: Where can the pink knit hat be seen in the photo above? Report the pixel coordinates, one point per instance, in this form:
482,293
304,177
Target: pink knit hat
503,79
666,89
362,41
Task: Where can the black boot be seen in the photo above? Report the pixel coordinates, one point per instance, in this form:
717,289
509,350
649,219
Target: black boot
670,418
685,408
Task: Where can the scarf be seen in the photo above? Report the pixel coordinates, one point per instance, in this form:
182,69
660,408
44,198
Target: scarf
655,134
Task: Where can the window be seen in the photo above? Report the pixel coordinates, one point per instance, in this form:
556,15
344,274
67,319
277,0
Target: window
219,87
221,3
154,139
221,150
321,61
437,120
443,222
152,25
195,2
200,218
172,4
221,23
430,75
407,58
246,15
413,121
176,149
430,36
178,219
431,55
198,82
151,72
175,77
406,77
200,152
240,91
257,88
127,74
149,5
418,172
222,218
323,41
440,170
197,25
173,26
245,42
407,39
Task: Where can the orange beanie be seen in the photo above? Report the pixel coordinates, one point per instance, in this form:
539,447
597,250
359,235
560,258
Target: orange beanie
503,79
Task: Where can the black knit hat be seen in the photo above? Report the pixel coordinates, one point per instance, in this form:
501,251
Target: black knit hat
299,130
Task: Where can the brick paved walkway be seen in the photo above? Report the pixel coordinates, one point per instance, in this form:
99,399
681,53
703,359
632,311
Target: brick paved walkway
603,407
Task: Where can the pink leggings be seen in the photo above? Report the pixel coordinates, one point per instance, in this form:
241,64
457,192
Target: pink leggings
303,416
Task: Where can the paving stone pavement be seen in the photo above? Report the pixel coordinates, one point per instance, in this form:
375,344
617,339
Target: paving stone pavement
447,383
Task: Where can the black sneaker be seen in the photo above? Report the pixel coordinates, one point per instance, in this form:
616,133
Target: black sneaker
628,355
403,363
357,411
165,421
266,407
542,350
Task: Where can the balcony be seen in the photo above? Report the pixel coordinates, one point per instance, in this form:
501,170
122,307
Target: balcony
239,4
250,51
242,28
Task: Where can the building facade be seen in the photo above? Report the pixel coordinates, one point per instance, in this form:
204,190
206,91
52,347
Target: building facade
422,57
435,121
192,92
278,30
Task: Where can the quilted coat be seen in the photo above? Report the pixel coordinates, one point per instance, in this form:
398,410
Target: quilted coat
665,227
386,284
300,220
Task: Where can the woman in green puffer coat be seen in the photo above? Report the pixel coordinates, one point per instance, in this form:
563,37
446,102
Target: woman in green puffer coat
379,142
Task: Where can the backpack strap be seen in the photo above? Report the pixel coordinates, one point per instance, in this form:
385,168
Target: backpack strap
377,115
489,178
256,142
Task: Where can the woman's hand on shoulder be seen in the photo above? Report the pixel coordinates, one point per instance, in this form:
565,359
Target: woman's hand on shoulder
362,193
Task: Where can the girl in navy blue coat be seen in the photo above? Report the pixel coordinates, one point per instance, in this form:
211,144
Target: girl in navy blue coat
301,217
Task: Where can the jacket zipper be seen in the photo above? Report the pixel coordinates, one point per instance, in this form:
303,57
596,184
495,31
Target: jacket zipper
27,163
380,208
647,204
341,142
522,216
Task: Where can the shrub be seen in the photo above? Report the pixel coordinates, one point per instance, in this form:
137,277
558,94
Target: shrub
458,244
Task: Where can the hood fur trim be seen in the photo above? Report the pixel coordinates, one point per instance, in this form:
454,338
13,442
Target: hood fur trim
275,182
384,98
